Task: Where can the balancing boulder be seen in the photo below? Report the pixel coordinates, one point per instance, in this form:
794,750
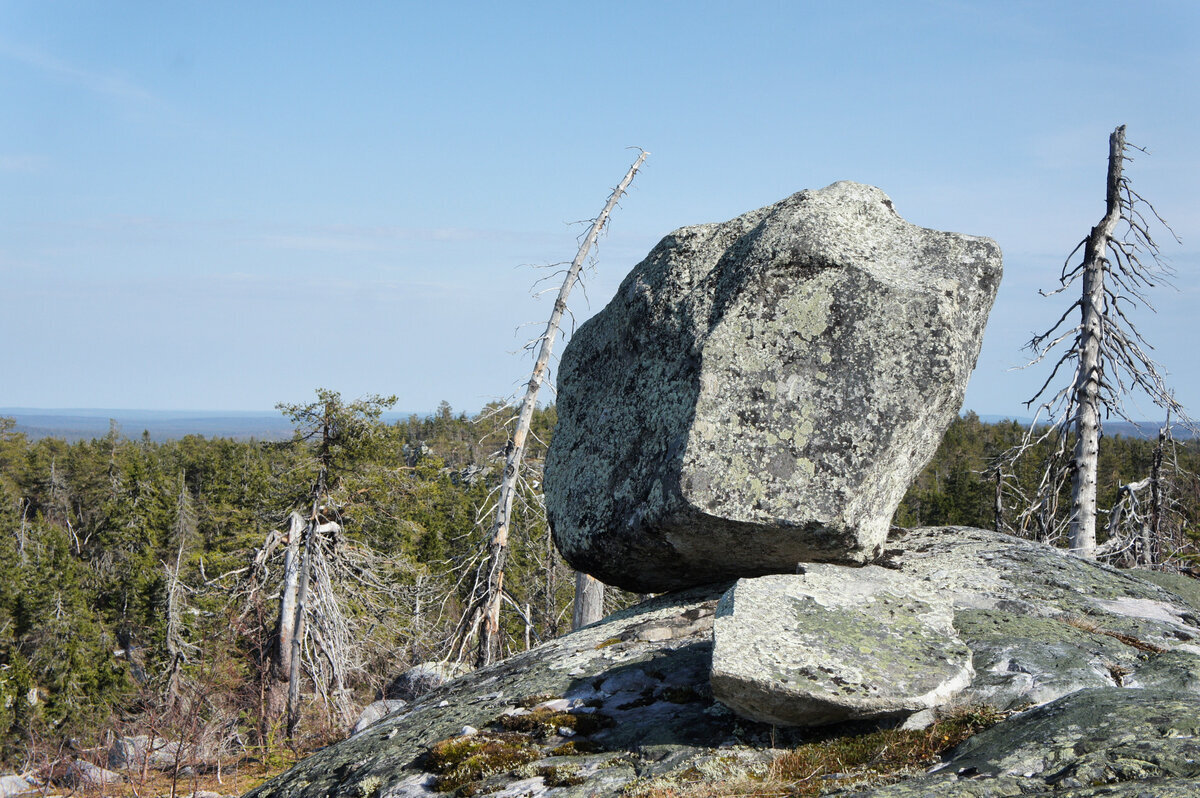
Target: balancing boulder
761,392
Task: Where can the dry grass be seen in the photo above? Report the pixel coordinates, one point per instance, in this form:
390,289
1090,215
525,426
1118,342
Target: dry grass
235,780
815,768
1085,625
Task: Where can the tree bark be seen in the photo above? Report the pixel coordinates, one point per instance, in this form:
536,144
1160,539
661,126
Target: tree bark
1154,532
301,615
1082,534
589,601
296,641
998,501
281,647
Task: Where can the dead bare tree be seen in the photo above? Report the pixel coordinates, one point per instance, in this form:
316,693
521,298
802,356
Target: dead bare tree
481,620
1146,527
178,648
321,568
1106,354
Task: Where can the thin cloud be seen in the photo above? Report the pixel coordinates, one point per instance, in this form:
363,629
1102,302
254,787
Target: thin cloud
99,83
350,238
21,163
313,243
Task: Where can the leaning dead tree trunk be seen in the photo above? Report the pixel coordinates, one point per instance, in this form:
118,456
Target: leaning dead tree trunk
1081,537
481,621
1107,352
301,614
281,648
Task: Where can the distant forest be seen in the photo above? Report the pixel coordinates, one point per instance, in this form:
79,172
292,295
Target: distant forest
138,592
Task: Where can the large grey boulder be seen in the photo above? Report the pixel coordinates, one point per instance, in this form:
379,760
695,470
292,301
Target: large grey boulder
761,392
420,679
83,775
835,644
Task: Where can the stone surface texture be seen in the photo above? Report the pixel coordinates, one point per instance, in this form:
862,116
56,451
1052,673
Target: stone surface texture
761,392
835,644
132,753
12,785
1040,625
377,710
1102,741
84,775
420,679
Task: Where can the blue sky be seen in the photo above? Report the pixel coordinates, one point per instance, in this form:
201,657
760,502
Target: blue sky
225,205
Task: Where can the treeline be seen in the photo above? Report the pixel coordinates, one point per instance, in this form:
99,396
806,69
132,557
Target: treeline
140,582
974,480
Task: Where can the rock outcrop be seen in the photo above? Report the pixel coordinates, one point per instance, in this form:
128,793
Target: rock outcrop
1041,623
761,392
1103,741
626,704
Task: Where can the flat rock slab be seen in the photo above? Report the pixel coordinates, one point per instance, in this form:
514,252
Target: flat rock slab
835,644
761,392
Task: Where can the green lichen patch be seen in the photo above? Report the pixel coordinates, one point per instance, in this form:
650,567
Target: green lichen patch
887,752
461,761
369,787
561,775
846,760
543,722
574,748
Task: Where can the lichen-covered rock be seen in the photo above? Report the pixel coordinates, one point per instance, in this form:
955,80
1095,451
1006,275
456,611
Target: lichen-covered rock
761,392
835,644
1042,623
84,775
624,699
624,707
377,710
1096,742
